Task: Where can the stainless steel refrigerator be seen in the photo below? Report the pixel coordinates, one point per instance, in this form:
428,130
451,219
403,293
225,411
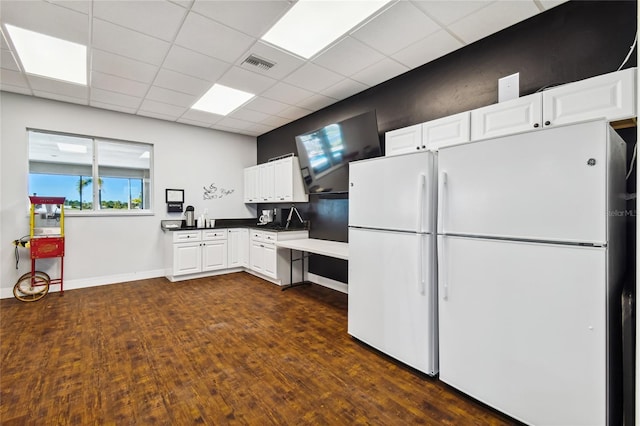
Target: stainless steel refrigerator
392,287
530,264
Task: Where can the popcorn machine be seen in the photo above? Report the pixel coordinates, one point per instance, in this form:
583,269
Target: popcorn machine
46,240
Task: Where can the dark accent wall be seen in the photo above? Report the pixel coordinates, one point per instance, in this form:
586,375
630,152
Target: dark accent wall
573,41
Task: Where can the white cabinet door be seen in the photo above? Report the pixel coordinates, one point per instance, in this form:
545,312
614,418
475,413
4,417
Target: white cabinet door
243,247
256,257
270,257
523,325
504,118
251,182
214,255
610,96
392,303
404,140
187,258
233,248
446,131
283,179
266,181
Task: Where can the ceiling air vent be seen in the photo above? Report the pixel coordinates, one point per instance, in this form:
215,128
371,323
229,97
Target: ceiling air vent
258,62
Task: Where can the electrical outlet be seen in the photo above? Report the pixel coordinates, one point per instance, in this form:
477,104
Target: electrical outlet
509,87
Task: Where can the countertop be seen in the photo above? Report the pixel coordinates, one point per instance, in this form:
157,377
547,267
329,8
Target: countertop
231,223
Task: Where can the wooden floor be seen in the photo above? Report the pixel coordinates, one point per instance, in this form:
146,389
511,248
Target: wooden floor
231,349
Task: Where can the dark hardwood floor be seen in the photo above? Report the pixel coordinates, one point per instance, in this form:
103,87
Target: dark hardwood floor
231,349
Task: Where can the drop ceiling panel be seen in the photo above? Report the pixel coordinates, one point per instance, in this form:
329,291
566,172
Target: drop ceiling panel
398,27
248,115
192,122
110,107
171,97
294,112
285,63
316,102
160,19
181,82
212,38
348,56
286,93
428,49
47,18
118,84
195,64
159,116
13,78
7,61
57,86
78,6
384,70
275,121
247,81
446,12
201,116
110,63
162,108
113,98
131,44
60,97
313,77
14,89
492,18
265,105
250,17
345,88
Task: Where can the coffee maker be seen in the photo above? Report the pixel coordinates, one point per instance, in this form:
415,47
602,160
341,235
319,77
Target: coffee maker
266,217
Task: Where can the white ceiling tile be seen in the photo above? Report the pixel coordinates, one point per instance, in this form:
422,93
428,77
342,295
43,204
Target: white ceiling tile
259,128
250,17
181,82
294,112
231,129
213,39
157,115
184,3
57,86
128,43
313,77
548,4
118,84
248,115
195,64
201,116
7,61
316,102
382,71
286,93
426,50
13,78
348,56
78,6
171,97
162,108
110,107
113,98
60,97
446,11
159,19
275,121
396,28
285,63
265,105
47,18
110,63
247,81
493,18
234,123
345,88
193,122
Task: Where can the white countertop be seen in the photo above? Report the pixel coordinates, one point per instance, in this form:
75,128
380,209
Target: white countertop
312,245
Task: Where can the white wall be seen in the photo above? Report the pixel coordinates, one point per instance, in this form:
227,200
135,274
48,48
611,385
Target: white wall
104,250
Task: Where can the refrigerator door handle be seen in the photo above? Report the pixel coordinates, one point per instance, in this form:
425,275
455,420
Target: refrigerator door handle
422,184
421,279
442,186
442,269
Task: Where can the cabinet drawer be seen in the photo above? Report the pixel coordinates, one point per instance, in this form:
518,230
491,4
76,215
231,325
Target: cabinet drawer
269,237
214,234
256,235
184,236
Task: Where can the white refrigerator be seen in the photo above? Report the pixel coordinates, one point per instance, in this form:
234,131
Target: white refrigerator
392,275
529,272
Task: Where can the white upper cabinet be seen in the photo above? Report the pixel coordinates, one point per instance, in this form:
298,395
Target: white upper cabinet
504,118
404,141
611,96
277,181
446,131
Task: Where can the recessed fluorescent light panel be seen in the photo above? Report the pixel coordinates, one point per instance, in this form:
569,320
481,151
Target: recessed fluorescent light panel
222,100
311,25
50,57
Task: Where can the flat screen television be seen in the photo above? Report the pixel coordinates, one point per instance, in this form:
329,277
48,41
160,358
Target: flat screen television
325,153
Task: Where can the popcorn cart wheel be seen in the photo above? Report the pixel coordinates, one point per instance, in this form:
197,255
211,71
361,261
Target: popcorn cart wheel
46,241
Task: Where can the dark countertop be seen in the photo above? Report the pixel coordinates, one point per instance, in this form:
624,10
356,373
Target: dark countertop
235,223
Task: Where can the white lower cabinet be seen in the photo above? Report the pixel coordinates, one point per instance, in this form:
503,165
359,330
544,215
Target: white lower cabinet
203,252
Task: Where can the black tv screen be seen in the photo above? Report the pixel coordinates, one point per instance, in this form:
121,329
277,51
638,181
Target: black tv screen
326,152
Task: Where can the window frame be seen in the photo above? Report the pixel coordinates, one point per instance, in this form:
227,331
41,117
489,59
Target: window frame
95,167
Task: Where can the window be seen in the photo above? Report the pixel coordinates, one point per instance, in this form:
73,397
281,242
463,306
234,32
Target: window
91,173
